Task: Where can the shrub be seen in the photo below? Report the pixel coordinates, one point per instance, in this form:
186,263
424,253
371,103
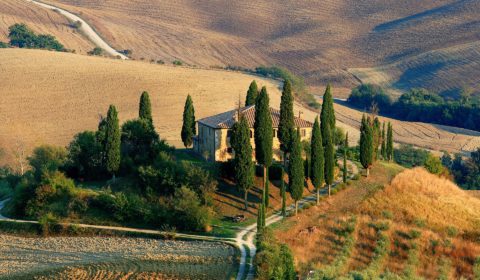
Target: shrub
421,223
49,224
275,172
452,231
3,45
21,36
96,51
414,234
161,62
5,189
476,268
47,159
387,214
177,62
190,214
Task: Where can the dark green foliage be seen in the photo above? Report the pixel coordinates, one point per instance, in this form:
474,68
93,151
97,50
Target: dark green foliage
261,218
273,260
21,36
327,115
383,149
188,127
145,108
263,129
47,159
140,144
96,51
296,174
329,158
242,163
365,95
434,165
3,45
366,143
252,94
85,157
112,141
408,156
177,62
190,212
377,138
286,124
284,195
389,147
317,156
466,170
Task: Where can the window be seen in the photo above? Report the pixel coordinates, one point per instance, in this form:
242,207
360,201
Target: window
229,133
229,150
251,134
274,133
304,133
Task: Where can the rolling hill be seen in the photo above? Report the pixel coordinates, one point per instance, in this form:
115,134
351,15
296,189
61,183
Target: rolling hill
47,97
320,40
404,222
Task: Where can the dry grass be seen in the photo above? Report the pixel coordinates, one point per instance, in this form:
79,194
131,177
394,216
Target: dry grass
41,21
445,217
318,39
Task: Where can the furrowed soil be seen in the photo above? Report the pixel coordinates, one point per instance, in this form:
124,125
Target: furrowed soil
113,258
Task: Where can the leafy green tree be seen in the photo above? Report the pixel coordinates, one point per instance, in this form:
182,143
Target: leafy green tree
383,149
85,156
243,164
345,148
112,141
366,144
286,124
327,115
389,148
188,128
21,36
317,159
190,214
296,174
145,108
434,165
252,94
47,159
263,136
329,159
140,144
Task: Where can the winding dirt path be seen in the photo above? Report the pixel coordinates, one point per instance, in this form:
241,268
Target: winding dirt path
85,28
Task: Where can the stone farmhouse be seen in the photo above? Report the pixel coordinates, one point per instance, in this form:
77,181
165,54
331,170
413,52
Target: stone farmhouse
214,132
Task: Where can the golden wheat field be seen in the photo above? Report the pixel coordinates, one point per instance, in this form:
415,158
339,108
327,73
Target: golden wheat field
41,21
319,40
413,224
48,97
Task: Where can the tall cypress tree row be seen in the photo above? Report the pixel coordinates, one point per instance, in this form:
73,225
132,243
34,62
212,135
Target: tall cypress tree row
284,195
329,159
296,174
145,108
366,144
383,149
252,94
377,137
286,124
345,148
188,127
317,159
389,142
243,164
112,142
263,137
327,115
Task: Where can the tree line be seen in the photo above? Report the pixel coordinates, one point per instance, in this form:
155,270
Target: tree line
22,36
420,105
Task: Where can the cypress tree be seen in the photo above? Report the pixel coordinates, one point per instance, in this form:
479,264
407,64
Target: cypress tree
112,141
366,144
317,159
243,164
327,115
377,137
261,218
145,108
383,149
296,174
252,94
389,142
286,124
345,148
284,196
263,136
188,127
329,159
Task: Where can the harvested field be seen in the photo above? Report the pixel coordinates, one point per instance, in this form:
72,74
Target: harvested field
318,39
113,258
48,97
41,21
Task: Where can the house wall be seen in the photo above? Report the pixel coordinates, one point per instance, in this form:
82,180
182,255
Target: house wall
206,145
224,153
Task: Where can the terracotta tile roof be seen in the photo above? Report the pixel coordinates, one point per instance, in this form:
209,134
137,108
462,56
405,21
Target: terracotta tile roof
227,119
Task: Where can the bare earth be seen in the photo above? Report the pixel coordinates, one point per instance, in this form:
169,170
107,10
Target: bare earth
22,256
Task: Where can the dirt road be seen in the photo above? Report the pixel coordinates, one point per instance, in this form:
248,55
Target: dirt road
86,29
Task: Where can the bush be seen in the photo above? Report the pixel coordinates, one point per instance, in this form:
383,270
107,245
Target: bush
414,234
190,214
452,231
47,159
177,62
96,51
275,172
49,224
21,36
3,45
387,214
365,95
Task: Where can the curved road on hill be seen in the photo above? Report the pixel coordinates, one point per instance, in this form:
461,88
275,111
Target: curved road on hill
85,28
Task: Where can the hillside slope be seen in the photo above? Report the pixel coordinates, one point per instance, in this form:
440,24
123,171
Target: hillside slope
417,225
318,39
41,21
